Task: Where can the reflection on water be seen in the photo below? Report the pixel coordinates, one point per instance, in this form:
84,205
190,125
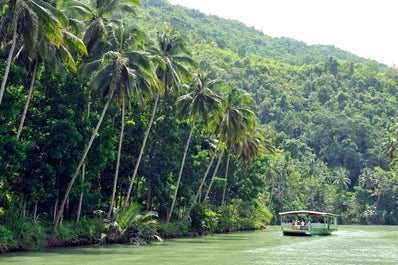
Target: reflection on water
349,245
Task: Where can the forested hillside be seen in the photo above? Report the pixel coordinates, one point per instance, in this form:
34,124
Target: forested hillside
154,110
235,36
326,107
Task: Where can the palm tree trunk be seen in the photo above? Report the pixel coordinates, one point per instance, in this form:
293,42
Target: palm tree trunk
83,158
79,207
226,178
9,61
141,152
25,110
180,173
213,176
55,207
119,152
186,214
35,212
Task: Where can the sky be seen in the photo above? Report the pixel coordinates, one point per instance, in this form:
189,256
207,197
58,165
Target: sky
368,28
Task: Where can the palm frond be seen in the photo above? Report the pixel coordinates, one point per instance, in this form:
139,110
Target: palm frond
73,43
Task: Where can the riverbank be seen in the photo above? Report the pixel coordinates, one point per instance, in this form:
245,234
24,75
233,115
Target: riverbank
373,245
92,232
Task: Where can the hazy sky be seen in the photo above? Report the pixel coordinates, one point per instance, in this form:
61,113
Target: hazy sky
368,28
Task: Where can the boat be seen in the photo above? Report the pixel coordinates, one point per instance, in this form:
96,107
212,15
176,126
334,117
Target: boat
308,223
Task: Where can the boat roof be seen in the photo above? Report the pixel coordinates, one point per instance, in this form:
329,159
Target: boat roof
306,212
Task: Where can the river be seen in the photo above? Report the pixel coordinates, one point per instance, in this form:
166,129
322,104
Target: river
349,245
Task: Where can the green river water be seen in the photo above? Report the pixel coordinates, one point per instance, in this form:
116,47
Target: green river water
348,245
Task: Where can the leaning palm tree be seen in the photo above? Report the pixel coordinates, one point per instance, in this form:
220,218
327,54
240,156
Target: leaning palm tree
146,81
22,22
253,144
111,74
99,37
235,122
201,101
54,56
171,58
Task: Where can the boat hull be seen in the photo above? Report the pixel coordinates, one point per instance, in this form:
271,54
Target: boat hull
296,233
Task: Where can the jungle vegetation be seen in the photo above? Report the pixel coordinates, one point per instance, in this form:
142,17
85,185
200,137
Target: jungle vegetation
138,119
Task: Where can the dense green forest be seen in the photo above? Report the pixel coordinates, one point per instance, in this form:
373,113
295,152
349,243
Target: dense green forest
139,119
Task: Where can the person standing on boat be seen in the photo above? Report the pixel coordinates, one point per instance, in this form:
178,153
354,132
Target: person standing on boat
302,227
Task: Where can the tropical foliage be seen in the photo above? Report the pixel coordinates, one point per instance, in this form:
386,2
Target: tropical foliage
138,121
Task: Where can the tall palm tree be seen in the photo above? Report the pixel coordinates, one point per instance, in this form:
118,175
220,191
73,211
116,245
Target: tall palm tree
171,58
235,122
250,146
24,20
201,101
113,75
100,36
98,16
145,78
54,56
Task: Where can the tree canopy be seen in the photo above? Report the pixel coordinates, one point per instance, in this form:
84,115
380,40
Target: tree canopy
220,119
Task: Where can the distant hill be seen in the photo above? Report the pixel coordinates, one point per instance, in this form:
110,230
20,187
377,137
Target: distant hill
236,36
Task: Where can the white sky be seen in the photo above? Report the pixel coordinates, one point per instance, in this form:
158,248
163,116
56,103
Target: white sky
368,28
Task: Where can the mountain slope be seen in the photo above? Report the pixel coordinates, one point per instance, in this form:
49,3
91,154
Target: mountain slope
236,36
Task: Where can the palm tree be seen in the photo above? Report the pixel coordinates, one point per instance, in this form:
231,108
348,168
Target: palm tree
170,56
97,18
235,122
25,20
384,184
201,101
54,56
250,146
112,76
341,178
100,36
367,178
146,80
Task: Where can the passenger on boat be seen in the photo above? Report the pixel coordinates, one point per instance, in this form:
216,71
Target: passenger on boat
302,225
295,224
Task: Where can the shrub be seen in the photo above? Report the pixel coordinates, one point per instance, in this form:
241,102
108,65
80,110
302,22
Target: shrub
210,222
32,236
171,230
7,239
197,215
65,233
204,220
89,230
26,234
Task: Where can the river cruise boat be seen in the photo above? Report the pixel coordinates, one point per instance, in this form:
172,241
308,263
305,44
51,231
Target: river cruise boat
308,223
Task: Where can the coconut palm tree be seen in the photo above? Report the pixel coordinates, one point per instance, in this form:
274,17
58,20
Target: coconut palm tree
98,15
145,78
100,36
24,21
367,178
112,76
55,57
170,57
201,101
250,146
341,178
235,122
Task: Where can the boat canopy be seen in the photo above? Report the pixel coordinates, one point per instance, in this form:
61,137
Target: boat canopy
307,213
